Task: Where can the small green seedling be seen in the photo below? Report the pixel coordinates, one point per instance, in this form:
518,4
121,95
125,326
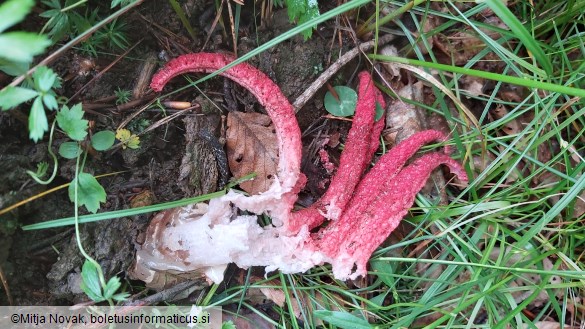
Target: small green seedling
345,105
43,82
301,11
93,286
89,192
122,96
127,139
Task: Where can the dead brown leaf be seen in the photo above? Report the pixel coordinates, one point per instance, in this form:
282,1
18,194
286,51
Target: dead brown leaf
513,126
278,297
252,148
548,325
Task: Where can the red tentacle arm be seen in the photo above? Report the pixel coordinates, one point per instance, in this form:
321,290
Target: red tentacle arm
378,126
380,217
386,169
270,96
354,160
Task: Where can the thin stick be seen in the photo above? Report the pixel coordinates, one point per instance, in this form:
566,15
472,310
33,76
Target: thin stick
213,25
325,76
6,287
233,28
164,295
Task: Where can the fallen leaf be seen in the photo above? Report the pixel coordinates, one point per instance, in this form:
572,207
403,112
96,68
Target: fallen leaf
127,139
548,325
512,127
278,297
252,148
142,199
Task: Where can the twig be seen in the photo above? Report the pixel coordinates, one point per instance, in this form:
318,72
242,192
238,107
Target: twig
165,295
132,104
118,108
213,25
172,36
325,76
6,287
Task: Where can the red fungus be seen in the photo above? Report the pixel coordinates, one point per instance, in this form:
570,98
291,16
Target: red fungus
270,96
368,208
378,126
356,156
365,225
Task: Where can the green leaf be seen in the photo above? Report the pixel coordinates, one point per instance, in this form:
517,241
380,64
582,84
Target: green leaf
228,325
45,79
90,281
342,319
103,140
123,296
115,3
121,3
89,192
13,68
346,104
120,297
22,46
111,287
69,150
385,271
37,120
50,101
72,123
14,11
379,112
13,96
303,11
50,13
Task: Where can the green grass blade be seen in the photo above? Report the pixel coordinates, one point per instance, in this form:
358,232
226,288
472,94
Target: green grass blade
559,206
525,82
516,26
177,8
121,213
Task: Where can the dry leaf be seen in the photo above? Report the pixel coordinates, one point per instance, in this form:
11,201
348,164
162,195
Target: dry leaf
252,148
142,199
548,325
579,206
278,297
392,69
513,126
473,85
299,299
403,119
